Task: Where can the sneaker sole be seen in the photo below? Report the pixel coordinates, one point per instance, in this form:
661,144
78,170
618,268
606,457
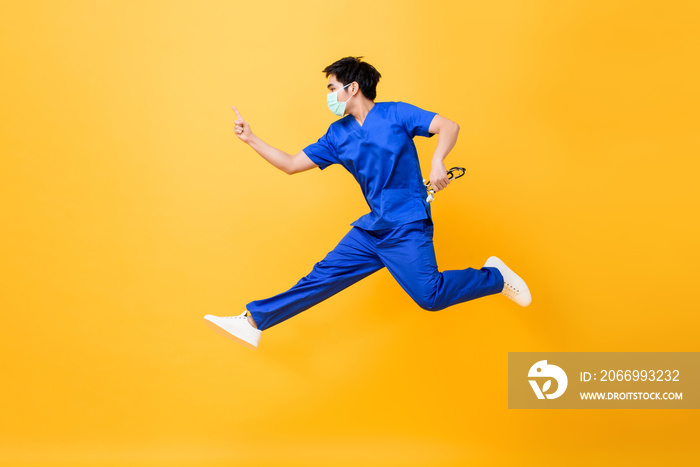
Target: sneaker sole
223,332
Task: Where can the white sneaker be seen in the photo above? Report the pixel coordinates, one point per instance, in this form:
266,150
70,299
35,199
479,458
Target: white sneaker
514,287
236,328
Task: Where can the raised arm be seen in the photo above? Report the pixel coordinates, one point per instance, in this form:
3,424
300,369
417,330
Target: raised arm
447,131
287,163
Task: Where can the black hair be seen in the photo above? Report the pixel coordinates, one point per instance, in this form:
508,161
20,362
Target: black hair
350,69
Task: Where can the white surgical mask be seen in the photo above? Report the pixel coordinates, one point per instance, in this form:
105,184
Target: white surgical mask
334,105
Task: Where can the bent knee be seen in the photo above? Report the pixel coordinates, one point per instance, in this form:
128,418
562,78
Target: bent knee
428,304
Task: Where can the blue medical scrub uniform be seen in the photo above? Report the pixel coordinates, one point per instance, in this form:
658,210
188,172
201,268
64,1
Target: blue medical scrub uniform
397,233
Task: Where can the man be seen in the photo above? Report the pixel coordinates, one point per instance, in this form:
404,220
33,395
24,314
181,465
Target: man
374,142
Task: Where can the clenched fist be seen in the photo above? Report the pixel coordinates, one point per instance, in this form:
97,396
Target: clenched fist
438,176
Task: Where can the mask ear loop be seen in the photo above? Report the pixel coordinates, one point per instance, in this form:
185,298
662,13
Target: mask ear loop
348,92
336,92
452,174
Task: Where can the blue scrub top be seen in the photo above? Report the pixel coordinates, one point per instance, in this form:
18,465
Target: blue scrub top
382,157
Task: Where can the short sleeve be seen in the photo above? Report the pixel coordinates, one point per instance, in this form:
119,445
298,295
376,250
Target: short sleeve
415,120
322,152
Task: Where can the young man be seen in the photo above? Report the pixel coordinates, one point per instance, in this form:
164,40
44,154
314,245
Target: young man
374,142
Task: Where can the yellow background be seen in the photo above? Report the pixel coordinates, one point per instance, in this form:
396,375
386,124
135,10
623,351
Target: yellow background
130,210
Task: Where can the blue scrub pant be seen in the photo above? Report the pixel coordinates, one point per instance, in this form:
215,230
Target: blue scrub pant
407,252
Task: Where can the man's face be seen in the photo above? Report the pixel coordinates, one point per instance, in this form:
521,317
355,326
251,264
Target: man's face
335,85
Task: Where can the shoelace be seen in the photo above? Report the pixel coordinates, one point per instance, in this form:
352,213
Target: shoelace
510,291
241,316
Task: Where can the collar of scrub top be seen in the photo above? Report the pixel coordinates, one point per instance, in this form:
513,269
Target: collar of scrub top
453,173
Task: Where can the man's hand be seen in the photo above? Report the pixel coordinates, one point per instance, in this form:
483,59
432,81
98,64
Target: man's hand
438,176
242,128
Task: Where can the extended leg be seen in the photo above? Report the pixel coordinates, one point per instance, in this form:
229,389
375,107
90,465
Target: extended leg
353,259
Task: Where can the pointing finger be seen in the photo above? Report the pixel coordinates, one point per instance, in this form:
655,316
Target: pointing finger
238,115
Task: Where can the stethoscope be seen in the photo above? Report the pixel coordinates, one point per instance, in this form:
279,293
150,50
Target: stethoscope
453,173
